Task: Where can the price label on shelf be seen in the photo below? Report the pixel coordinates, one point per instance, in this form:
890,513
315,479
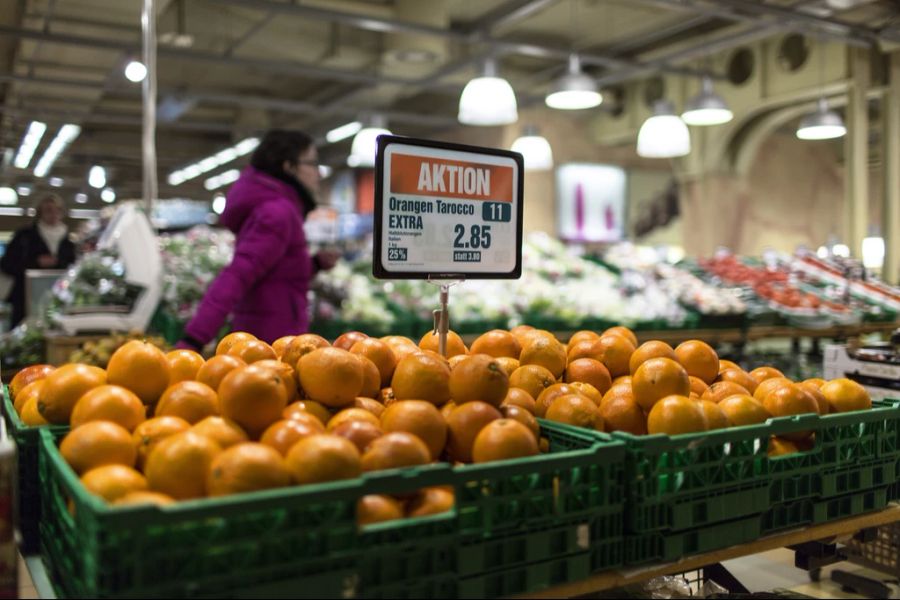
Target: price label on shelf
446,211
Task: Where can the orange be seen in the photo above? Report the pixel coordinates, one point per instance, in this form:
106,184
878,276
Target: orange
231,339
283,434
503,439
723,389
727,364
32,390
98,443
743,409
534,379
546,352
583,336
246,467
740,377
622,331
361,433
144,497
519,331
142,368
447,409
575,410
614,351
109,403
698,359
352,414
455,345
698,386
586,389
588,370
402,346
226,433
509,364
373,406
179,464
323,457
479,377
377,508
152,431
31,416
27,376
622,413
845,395
676,414
497,343
216,368
421,377
191,400
760,374
111,482
63,387
546,398
395,450
419,418
622,379
817,395
763,389
619,390
816,381
519,397
648,350
346,340
251,351
281,344
463,426
380,354
300,346
307,408
371,377
790,400
582,349
331,376
517,413
253,397
715,416
287,376
780,447
430,501
658,378
183,365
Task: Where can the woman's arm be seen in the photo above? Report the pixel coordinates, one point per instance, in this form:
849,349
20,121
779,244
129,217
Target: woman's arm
13,262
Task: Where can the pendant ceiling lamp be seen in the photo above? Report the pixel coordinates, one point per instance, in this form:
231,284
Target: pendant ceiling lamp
488,100
365,143
535,149
574,90
824,124
664,135
707,107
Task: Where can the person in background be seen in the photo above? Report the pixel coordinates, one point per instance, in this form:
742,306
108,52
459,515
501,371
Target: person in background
44,244
265,286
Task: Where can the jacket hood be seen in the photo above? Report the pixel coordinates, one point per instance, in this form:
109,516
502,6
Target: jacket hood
252,189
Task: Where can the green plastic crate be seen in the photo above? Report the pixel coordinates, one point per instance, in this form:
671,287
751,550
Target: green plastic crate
565,508
28,494
699,492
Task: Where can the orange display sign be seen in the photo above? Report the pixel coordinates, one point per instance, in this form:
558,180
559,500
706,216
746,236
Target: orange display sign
445,178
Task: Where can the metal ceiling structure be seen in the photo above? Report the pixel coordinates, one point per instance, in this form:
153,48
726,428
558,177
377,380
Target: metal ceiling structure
232,68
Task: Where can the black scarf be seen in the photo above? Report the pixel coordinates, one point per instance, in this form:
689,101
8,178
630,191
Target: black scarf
307,200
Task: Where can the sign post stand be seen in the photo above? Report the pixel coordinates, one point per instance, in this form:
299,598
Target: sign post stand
442,315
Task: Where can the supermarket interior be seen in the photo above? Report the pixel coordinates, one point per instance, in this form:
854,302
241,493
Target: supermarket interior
450,298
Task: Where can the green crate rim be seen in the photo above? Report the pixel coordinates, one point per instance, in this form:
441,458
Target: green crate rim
20,429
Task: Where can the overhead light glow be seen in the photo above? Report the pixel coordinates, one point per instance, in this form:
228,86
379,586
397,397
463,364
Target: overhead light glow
12,211
224,178
67,133
81,198
56,181
535,150
135,71
365,144
8,196
822,252
30,142
707,107
23,190
108,195
210,163
343,132
574,90
325,171
824,124
218,204
664,135
873,252
84,213
841,250
97,177
488,100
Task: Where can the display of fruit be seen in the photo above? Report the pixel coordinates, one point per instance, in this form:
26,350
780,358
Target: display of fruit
98,352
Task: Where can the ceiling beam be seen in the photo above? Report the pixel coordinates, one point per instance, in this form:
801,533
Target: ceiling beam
505,14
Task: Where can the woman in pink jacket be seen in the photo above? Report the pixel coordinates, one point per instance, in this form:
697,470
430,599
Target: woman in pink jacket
265,286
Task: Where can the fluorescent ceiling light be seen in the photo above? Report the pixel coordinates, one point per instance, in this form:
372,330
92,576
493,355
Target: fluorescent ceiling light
873,252
824,124
488,100
365,144
81,198
841,250
84,213
135,71
224,178
325,171
218,204
8,196
29,144
707,107
67,133
574,90
210,163
10,211
23,190
97,177
535,149
664,135
56,181
108,195
343,132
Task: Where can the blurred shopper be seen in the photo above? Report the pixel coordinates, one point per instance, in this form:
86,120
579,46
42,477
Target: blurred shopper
265,286
44,244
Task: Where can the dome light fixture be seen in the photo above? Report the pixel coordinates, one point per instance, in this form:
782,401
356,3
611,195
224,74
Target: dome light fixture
664,135
574,90
135,71
488,100
824,124
706,108
365,143
535,150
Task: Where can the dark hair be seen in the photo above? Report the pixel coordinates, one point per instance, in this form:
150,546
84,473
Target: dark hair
277,146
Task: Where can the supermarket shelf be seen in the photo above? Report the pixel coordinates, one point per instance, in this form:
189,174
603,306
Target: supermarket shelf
615,579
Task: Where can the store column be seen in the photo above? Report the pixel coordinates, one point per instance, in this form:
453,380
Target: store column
891,221
856,152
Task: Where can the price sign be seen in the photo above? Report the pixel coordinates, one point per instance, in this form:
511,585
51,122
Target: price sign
446,211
